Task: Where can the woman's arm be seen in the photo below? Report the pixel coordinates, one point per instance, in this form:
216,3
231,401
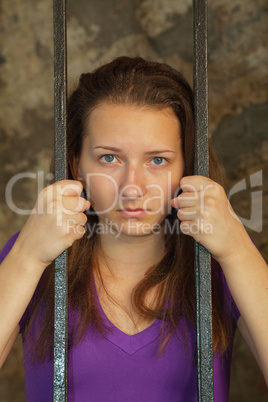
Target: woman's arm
55,223
207,216
19,277
9,345
247,276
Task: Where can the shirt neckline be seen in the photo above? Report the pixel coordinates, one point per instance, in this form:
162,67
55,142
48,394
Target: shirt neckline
130,344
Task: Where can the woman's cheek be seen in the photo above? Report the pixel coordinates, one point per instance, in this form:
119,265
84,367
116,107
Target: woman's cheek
102,193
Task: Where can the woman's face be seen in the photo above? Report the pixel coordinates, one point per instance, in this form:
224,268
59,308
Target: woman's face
131,164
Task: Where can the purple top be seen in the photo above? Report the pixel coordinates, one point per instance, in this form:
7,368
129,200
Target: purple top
118,367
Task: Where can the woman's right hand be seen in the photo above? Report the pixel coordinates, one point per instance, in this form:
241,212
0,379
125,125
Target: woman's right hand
56,221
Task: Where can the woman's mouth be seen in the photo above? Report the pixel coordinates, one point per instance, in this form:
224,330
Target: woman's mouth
133,213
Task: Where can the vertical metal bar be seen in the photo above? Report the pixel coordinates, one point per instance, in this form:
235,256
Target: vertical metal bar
202,256
61,263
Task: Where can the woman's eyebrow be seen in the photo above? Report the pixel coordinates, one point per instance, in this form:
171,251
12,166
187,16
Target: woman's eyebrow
109,148
157,151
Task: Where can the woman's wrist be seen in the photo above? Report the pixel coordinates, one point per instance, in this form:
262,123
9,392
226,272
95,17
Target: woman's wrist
25,260
243,256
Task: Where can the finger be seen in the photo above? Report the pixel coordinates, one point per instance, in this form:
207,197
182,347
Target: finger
71,206
77,219
196,229
56,190
186,214
186,228
79,232
76,232
75,204
69,187
72,223
195,183
188,199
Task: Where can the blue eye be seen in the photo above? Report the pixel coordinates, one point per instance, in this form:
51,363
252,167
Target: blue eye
158,160
108,158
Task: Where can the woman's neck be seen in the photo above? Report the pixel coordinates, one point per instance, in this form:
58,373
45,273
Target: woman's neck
123,262
129,257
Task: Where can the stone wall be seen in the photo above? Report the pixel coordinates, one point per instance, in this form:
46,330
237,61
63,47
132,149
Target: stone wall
157,30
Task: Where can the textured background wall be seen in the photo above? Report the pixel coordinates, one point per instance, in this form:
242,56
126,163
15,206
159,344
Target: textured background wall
98,31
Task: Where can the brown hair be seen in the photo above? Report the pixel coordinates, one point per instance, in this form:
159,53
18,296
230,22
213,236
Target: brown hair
133,81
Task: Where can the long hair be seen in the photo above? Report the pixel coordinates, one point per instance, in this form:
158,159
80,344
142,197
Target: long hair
133,82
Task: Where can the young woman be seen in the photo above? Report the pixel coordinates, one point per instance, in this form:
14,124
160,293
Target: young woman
130,236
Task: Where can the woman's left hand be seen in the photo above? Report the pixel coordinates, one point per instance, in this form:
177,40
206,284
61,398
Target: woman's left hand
206,215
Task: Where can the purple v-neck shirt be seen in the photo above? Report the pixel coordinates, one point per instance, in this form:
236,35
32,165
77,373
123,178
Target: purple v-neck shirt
117,367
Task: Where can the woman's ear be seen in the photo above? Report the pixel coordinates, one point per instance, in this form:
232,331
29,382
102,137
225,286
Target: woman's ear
75,169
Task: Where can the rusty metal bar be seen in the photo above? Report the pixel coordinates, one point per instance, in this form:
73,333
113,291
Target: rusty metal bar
60,152
202,256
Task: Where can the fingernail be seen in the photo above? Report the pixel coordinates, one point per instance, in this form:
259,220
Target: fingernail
174,203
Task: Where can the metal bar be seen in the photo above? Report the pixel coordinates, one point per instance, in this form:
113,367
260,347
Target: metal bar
202,256
60,152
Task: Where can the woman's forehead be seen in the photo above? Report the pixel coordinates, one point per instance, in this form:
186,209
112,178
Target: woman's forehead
140,123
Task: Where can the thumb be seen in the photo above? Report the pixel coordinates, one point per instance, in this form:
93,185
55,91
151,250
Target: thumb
69,188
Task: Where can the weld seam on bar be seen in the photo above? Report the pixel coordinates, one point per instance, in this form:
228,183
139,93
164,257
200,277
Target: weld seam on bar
202,256
60,151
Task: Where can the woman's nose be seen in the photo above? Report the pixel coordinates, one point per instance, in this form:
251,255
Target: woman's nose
133,186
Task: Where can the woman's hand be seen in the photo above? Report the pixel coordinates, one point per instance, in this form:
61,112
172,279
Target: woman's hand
206,215
56,221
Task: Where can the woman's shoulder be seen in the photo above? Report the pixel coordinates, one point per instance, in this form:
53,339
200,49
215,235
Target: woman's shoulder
8,246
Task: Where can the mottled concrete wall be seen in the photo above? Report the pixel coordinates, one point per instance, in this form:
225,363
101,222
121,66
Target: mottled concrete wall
154,29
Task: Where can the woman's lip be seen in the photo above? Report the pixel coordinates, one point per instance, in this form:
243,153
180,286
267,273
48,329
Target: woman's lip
133,212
